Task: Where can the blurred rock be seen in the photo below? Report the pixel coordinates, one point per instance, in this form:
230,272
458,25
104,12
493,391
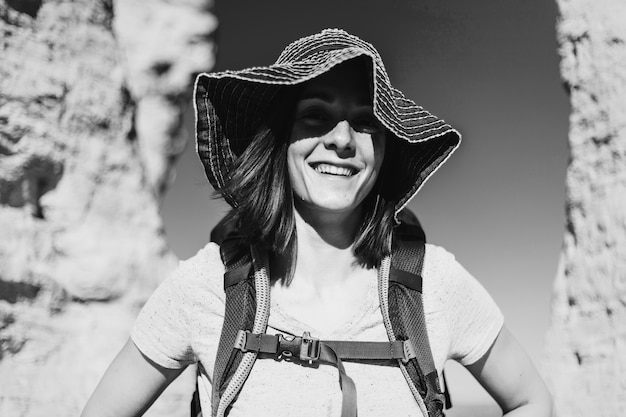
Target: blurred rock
91,110
585,359
162,45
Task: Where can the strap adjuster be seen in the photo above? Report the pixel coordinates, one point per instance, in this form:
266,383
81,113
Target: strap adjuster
309,348
305,347
409,351
240,340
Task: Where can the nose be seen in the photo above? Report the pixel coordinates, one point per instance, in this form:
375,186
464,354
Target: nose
341,138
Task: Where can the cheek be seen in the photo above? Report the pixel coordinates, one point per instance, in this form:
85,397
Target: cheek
375,152
295,160
291,164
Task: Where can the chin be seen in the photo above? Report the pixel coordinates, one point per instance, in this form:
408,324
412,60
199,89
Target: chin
336,206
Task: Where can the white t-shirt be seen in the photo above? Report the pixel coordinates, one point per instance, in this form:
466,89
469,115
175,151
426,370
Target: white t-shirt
181,324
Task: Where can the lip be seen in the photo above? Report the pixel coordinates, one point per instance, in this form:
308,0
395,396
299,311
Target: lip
334,169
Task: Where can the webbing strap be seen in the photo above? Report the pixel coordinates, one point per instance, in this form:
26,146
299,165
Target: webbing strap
372,350
236,275
308,348
348,388
406,278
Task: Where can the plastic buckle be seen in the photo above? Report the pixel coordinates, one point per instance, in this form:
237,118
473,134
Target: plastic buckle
409,351
309,348
306,348
240,340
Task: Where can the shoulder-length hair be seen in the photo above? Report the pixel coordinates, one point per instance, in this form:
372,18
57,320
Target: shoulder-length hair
259,182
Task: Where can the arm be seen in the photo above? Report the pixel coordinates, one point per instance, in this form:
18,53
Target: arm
129,386
509,376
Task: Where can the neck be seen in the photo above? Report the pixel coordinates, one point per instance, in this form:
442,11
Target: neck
330,228
324,246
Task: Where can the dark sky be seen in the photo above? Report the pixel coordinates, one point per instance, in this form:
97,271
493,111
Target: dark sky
489,68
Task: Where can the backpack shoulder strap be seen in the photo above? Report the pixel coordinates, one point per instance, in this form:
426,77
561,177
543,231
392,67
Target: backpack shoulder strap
406,311
245,274
239,311
238,268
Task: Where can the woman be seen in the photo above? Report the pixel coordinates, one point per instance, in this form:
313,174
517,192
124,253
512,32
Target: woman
318,155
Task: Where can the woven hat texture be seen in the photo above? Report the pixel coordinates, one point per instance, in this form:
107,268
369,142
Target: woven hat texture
230,107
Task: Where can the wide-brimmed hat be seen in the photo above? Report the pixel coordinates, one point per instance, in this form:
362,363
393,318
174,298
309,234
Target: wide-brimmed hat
230,107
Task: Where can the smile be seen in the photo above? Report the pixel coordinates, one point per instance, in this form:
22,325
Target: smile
334,170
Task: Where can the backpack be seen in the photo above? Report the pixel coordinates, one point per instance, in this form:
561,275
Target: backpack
243,337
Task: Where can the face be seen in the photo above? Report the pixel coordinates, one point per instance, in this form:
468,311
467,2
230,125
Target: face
337,145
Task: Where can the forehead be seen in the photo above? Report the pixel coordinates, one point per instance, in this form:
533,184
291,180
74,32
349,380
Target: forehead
349,79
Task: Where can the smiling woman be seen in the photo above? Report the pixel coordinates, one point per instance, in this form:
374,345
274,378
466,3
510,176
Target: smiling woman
337,145
318,155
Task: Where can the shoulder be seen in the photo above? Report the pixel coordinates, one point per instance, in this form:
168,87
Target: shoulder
437,260
438,276
206,261
440,269
445,277
199,274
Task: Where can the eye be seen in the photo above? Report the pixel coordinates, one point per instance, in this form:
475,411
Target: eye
367,123
314,117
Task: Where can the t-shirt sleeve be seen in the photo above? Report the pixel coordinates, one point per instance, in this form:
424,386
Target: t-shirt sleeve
161,331
474,319
166,325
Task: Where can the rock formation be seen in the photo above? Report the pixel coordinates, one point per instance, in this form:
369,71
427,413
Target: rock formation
90,124
585,359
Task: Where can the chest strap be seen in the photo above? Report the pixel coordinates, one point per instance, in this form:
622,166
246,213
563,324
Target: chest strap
309,349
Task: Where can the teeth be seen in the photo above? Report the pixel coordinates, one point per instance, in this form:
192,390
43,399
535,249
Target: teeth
334,170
